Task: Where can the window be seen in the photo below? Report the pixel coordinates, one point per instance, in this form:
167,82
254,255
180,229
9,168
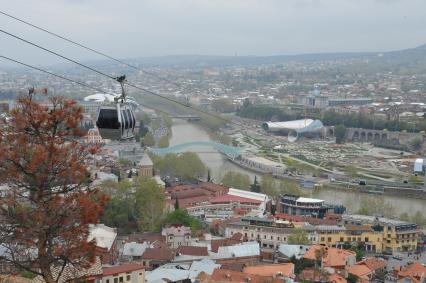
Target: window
366,239
264,236
322,239
128,277
115,280
341,239
329,239
272,237
121,279
278,238
107,281
108,119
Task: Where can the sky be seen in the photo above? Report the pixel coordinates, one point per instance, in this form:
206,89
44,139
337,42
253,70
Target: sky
146,28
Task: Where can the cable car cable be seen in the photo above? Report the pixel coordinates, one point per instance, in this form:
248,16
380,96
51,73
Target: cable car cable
74,81
127,83
89,48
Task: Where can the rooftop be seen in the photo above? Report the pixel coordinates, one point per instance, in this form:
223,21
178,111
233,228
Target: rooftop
283,269
128,267
103,235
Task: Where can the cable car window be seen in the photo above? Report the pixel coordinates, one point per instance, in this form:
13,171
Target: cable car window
108,119
123,122
134,120
131,120
126,120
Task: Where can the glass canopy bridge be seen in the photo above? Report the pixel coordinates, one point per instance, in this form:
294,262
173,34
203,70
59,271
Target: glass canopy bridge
230,151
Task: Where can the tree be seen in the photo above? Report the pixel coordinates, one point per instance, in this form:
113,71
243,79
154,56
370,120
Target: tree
120,212
269,185
340,133
416,143
223,105
46,211
255,187
186,166
177,204
352,278
148,140
298,237
149,201
164,142
376,206
236,180
181,216
209,178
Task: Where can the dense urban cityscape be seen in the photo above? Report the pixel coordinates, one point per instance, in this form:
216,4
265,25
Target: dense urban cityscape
196,168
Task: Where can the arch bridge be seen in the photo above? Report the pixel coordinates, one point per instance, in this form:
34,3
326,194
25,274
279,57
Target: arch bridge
230,151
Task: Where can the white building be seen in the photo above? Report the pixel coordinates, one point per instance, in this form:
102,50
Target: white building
177,235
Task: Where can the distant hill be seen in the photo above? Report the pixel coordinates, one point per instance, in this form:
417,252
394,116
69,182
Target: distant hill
413,59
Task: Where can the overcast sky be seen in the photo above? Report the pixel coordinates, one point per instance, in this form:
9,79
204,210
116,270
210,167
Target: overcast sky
144,28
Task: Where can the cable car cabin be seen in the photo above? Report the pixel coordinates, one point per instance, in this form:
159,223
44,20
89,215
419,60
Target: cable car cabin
116,122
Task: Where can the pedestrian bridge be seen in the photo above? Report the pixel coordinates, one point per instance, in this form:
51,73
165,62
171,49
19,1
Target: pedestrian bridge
228,150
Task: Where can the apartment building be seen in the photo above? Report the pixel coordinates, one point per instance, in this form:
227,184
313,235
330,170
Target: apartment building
269,233
340,236
398,236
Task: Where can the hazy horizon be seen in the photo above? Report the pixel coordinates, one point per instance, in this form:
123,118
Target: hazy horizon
157,28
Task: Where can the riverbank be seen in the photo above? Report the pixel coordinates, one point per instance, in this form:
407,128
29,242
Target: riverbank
218,164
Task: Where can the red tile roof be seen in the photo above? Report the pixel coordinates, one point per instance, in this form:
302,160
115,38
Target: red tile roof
162,254
374,263
215,244
231,198
283,269
224,275
128,267
332,257
191,250
360,270
214,187
416,271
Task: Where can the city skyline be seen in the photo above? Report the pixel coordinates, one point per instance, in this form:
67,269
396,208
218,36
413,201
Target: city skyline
160,28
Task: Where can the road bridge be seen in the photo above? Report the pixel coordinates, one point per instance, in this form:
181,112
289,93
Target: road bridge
186,117
230,151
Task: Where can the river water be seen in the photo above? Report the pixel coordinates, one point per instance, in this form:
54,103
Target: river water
183,132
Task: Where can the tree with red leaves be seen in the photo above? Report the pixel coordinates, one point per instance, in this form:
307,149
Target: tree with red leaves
46,203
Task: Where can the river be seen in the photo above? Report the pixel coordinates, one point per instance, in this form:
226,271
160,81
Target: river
183,132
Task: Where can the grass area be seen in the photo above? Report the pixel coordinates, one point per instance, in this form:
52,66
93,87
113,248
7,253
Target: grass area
416,179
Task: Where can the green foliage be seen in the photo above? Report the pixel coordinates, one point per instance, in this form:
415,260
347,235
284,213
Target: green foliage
148,140
376,206
416,143
267,113
223,105
366,121
125,162
269,185
298,237
150,204
120,210
339,133
352,278
134,206
236,180
255,187
359,250
28,274
181,216
164,142
145,119
301,264
186,166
